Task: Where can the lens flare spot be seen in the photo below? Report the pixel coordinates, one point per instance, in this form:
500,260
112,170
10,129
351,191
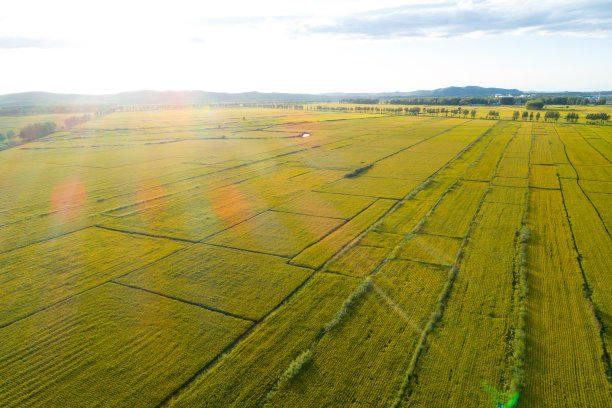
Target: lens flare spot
67,195
151,201
228,203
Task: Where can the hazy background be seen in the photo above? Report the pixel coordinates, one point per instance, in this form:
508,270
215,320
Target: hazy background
315,46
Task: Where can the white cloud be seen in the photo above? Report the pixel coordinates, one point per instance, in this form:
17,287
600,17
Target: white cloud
315,46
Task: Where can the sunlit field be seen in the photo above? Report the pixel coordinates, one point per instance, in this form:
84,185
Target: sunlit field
270,257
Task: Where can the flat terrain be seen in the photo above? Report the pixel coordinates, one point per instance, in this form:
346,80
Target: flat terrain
260,257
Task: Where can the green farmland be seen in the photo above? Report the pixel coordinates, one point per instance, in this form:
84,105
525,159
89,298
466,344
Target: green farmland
260,257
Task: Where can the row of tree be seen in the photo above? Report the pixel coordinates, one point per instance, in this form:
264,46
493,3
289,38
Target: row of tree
531,103
76,120
7,137
572,117
534,105
27,134
449,101
362,101
457,112
598,116
36,131
551,115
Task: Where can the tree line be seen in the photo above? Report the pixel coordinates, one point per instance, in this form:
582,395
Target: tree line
531,103
361,101
598,116
76,120
448,101
38,130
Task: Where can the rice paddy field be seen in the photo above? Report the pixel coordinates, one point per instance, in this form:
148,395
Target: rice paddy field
254,257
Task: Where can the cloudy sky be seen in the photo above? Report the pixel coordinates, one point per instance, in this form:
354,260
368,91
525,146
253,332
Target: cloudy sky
307,46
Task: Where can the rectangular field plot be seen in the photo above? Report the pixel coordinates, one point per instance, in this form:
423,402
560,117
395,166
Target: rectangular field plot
372,186
508,195
429,156
483,168
513,167
599,173
192,215
471,337
28,231
238,282
596,186
39,275
201,212
603,203
559,318
315,256
373,341
453,215
318,176
111,346
326,205
566,170
430,249
405,218
381,239
249,371
358,260
413,287
510,181
276,233
594,245
544,177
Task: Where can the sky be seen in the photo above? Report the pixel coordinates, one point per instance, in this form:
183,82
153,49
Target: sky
313,46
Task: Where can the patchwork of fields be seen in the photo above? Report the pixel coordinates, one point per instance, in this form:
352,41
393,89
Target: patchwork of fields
219,258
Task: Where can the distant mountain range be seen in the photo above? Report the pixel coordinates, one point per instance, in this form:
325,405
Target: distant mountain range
202,97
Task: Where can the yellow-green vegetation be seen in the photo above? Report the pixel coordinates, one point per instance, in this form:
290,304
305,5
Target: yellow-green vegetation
111,346
508,195
510,181
215,257
245,375
446,220
381,239
405,218
374,332
413,287
480,308
560,319
544,176
37,276
315,255
430,249
371,187
601,201
326,205
359,260
277,233
594,244
243,284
